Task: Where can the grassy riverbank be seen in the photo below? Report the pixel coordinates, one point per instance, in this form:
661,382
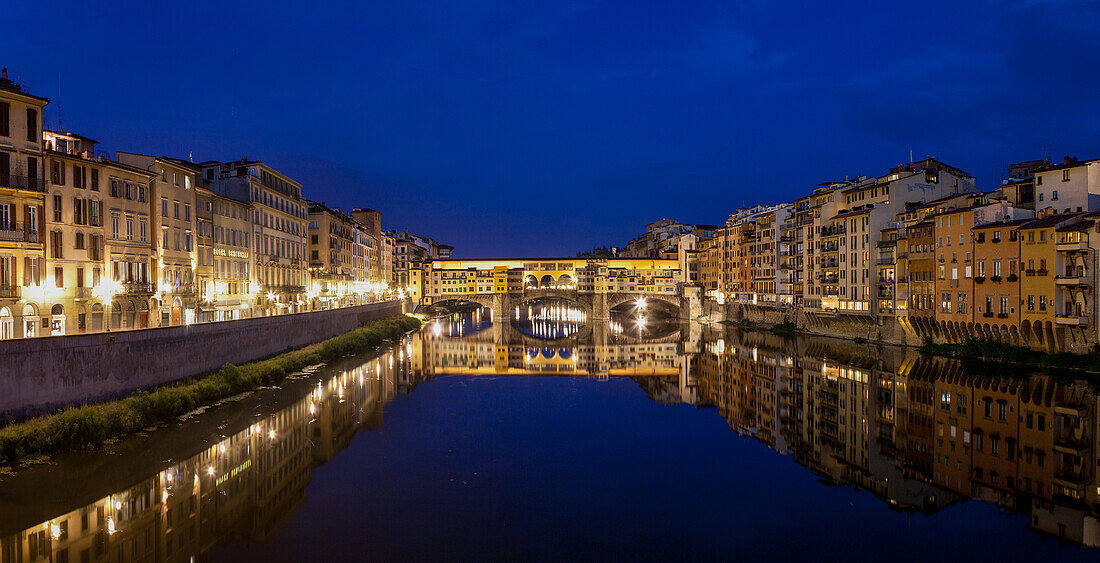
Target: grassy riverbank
92,425
992,351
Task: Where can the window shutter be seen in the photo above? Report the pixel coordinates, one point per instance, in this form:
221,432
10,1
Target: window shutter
26,271
41,270
27,210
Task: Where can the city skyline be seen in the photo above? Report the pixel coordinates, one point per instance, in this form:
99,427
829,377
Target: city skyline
458,121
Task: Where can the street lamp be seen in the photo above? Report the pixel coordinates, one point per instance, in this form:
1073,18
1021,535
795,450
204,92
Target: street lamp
106,291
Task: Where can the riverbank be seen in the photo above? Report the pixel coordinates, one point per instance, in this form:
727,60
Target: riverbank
1021,356
92,425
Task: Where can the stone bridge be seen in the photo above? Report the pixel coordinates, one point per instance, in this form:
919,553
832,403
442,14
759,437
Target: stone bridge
598,306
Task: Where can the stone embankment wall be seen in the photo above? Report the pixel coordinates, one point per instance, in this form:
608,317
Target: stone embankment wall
887,330
42,374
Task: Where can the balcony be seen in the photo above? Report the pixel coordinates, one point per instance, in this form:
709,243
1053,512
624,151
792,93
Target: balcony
182,290
15,232
138,288
283,289
833,231
9,292
1071,320
1072,279
887,261
83,293
29,183
1079,246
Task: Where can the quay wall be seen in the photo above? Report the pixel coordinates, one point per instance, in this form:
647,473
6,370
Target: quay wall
42,374
885,330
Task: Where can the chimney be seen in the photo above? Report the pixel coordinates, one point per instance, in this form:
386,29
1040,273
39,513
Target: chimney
4,73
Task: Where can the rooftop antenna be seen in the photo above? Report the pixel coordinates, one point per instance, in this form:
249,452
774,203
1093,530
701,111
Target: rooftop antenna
910,156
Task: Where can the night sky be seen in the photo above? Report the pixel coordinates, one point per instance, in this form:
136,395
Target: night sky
512,129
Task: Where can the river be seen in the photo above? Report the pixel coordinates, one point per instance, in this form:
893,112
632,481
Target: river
551,436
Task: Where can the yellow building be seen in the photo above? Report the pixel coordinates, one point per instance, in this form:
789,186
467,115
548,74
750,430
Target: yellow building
338,264
279,216
1037,255
457,279
129,251
23,291
74,205
173,228
228,294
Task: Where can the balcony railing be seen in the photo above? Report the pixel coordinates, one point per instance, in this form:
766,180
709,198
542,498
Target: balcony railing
30,183
9,292
283,289
137,288
1072,320
1072,246
16,232
83,293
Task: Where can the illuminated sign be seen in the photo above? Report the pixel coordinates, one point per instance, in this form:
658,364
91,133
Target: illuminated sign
230,253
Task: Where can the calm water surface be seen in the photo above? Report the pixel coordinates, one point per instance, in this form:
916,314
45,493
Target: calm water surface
633,440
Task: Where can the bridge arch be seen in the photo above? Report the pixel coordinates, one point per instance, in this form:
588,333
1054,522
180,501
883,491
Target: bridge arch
646,302
546,281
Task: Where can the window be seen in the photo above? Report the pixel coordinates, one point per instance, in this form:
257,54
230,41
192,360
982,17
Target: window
962,302
130,228
187,212
163,207
114,188
945,303
95,180
56,244
114,226
5,119
1065,173
1054,195
176,209
57,209
59,276
32,124
144,230
1002,411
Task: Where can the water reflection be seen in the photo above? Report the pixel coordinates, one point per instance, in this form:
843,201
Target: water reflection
920,434
241,486
549,318
458,325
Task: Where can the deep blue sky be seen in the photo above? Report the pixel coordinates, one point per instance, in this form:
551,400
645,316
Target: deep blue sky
544,129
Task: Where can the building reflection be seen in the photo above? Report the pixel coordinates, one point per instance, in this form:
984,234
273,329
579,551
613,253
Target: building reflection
243,487
919,433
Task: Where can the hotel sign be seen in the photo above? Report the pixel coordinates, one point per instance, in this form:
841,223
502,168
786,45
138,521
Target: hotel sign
230,253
